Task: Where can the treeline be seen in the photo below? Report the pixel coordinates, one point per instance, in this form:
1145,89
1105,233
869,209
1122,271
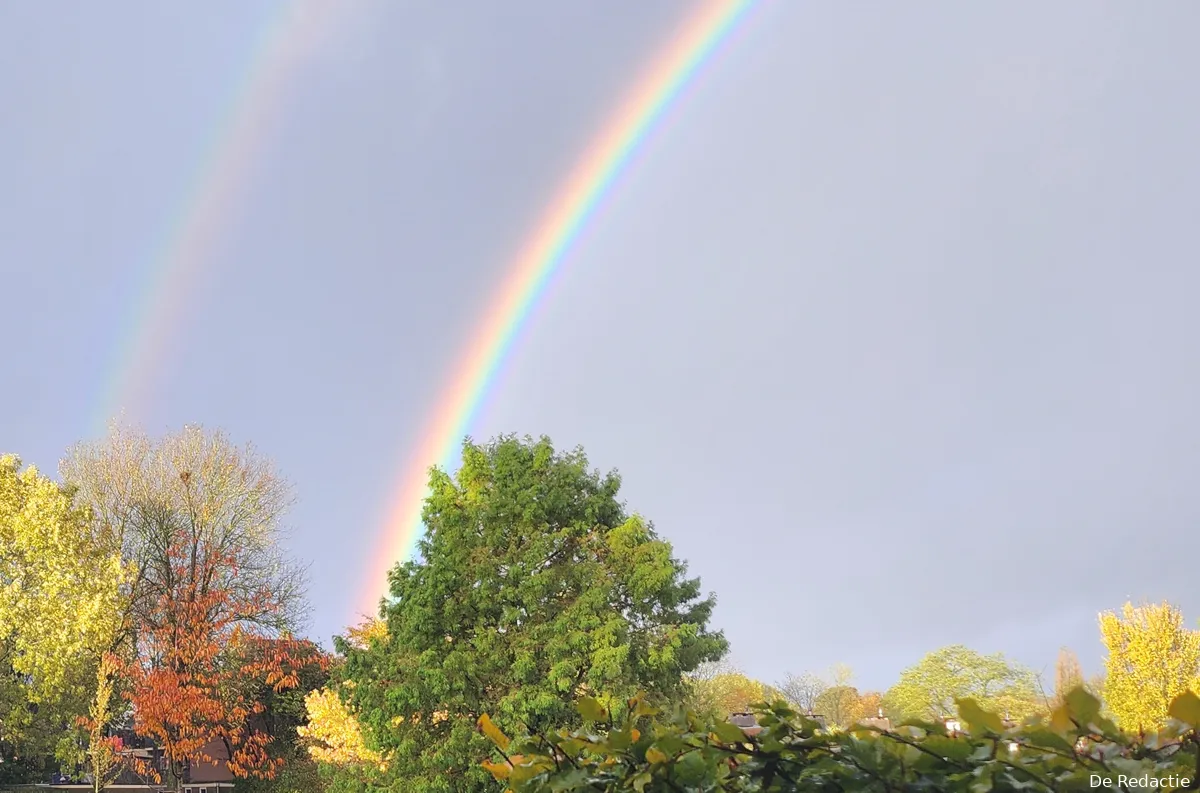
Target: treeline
145,601
147,598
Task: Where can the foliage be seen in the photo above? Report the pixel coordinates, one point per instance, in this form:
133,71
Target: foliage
282,712
533,587
841,706
196,652
1152,658
103,760
723,693
1068,675
642,751
333,734
61,575
870,705
185,493
929,689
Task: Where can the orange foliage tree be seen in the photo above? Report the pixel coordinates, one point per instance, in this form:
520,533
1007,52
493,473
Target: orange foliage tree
201,648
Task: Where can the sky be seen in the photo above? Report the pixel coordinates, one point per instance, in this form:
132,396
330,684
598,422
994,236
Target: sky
889,327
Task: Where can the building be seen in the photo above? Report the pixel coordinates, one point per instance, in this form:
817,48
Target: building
198,777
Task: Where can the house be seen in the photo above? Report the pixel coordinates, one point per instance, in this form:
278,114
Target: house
747,722
198,777
750,726
879,722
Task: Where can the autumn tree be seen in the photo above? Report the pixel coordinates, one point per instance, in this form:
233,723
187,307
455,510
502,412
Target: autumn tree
533,586
928,689
1151,659
178,494
198,522
1068,675
840,705
723,689
870,705
198,654
103,750
60,599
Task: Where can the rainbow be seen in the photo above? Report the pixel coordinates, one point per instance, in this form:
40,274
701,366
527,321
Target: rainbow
535,264
169,280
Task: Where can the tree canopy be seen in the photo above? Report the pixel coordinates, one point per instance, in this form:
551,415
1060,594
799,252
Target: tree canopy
533,587
1152,658
929,689
59,602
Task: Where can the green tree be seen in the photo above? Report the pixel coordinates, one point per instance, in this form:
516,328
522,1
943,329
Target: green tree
1152,658
928,689
533,587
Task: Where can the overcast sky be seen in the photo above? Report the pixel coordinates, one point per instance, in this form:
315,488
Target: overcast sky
890,328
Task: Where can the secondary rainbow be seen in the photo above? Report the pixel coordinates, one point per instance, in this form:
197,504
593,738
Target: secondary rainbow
536,263
163,290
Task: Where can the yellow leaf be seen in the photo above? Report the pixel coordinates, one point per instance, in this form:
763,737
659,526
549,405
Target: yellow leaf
655,756
493,732
1186,708
498,770
634,734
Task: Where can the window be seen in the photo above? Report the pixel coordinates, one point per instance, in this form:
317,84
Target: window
203,790
187,790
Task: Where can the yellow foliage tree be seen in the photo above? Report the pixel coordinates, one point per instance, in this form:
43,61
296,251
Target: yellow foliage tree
1152,658
724,691
61,602
333,734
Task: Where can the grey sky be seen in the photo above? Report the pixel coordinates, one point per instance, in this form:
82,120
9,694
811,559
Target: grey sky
889,329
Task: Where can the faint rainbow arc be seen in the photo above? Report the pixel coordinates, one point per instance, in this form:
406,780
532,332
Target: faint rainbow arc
533,267
160,304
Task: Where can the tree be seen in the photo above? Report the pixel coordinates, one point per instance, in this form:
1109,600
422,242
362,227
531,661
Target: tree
928,690
803,690
723,689
533,586
61,576
186,492
103,758
201,650
198,522
840,705
1152,658
333,734
870,705
1068,675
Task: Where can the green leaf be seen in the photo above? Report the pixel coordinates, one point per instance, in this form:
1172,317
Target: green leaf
729,733
1046,739
591,710
979,720
1084,707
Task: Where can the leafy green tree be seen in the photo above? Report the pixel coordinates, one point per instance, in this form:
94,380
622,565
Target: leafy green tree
928,689
533,587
